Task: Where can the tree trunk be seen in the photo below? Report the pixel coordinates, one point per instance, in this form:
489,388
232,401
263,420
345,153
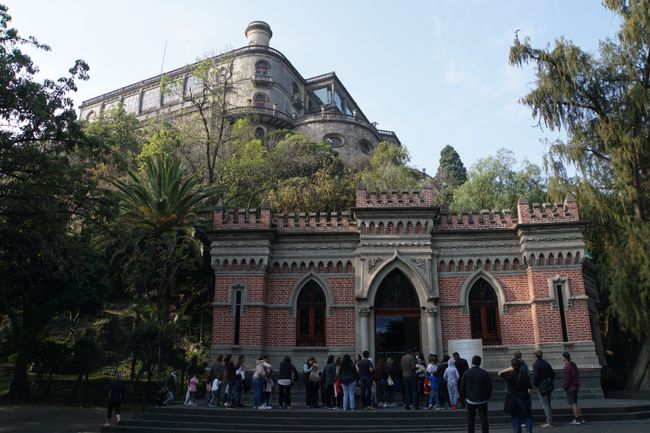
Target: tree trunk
639,377
20,389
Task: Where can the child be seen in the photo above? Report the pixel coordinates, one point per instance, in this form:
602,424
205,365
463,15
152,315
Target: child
216,384
431,376
192,385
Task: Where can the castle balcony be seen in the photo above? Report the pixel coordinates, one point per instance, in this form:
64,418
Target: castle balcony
265,115
262,80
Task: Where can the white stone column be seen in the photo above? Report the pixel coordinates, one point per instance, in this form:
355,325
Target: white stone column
364,313
432,339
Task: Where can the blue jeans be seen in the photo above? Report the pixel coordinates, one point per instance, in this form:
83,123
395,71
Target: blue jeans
258,383
433,397
522,413
348,395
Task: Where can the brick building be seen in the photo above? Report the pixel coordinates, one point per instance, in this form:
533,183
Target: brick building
396,272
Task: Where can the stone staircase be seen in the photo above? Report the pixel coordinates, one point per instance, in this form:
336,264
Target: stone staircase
184,419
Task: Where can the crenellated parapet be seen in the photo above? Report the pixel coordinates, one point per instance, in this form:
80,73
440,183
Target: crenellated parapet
315,222
485,220
242,219
394,199
547,212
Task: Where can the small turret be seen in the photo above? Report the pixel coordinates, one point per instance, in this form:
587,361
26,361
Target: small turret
258,33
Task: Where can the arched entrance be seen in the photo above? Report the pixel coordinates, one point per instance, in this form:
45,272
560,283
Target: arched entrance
310,316
397,316
484,313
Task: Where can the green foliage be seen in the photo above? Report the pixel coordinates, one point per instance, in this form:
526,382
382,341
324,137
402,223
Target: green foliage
451,170
603,103
154,234
388,171
496,183
46,264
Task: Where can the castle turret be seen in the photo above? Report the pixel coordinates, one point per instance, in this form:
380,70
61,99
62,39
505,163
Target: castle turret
258,33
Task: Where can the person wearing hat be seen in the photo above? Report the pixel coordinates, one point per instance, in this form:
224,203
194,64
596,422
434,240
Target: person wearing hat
571,386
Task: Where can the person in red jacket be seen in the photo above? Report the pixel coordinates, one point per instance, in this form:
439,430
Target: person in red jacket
571,386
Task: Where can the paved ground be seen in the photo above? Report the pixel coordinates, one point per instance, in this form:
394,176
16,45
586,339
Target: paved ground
54,419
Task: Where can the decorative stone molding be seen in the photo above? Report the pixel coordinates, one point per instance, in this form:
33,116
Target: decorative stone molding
364,311
295,291
373,262
420,262
469,282
431,311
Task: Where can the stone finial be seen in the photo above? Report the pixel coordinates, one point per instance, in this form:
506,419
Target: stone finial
265,204
219,204
569,198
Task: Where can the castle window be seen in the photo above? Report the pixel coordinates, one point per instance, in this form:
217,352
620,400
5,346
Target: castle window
484,313
237,301
559,291
311,316
260,100
132,103
173,92
151,99
365,146
259,132
333,140
193,86
262,68
324,94
90,116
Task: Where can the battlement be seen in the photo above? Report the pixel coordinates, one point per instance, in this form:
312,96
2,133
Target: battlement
485,220
547,212
381,199
253,219
243,219
315,222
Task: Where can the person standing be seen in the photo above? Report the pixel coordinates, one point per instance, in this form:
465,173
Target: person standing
229,380
522,364
240,377
410,380
452,377
114,395
462,367
543,376
329,379
306,370
348,374
476,386
170,384
443,395
286,376
571,385
366,371
520,387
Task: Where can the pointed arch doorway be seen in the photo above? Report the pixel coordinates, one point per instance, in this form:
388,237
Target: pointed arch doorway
397,317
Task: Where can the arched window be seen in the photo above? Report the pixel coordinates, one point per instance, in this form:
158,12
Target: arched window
259,133
262,68
261,100
484,313
311,316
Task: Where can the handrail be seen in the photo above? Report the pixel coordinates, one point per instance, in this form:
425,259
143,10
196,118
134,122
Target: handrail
261,110
320,77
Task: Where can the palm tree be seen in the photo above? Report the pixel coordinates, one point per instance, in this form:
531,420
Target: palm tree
159,213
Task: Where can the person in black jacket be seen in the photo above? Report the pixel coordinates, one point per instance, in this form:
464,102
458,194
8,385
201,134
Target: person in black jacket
543,376
462,367
520,387
114,395
476,386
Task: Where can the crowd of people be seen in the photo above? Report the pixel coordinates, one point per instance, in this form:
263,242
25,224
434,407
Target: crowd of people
344,383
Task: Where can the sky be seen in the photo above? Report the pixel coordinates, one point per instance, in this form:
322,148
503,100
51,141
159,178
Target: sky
435,72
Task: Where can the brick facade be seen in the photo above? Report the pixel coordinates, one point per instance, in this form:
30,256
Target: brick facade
533,263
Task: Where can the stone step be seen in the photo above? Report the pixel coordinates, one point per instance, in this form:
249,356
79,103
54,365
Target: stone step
181,419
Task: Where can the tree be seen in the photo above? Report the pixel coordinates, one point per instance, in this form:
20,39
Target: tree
159,211
451,170
204,126
495,183
45,259
603,103
388,169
